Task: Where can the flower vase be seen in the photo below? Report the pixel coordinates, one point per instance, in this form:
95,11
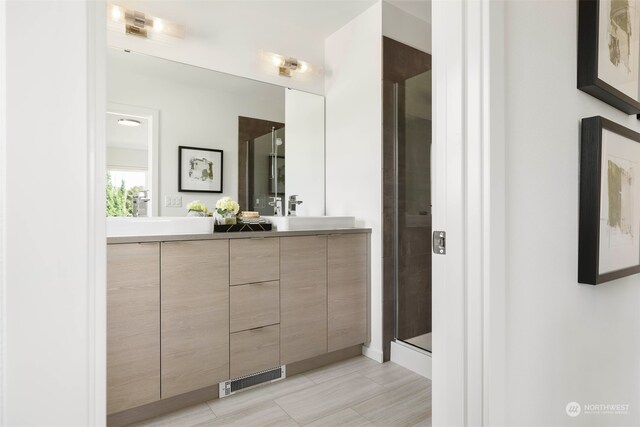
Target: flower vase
228,219
196,213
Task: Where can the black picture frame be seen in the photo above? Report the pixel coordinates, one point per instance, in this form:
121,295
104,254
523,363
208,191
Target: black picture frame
591,196
281,183
588,76
208,177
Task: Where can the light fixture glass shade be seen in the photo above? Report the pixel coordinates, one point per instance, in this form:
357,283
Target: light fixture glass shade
287,65
278,61
129,122
141,24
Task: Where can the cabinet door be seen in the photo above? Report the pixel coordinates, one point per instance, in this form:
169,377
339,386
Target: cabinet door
303,297
195,315
133,325
347,290
254,260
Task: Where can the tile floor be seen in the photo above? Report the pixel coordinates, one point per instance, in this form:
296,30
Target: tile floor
354,392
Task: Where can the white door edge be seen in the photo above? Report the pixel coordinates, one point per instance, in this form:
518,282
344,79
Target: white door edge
469,204
97,241
3,147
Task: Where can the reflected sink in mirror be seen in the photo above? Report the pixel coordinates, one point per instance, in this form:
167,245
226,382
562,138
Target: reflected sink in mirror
292,223
158,226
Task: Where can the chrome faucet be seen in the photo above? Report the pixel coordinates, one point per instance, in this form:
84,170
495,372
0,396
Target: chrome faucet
140,202
276,202
293,204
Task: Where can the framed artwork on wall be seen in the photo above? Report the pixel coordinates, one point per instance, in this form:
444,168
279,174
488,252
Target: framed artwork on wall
609,230
609,52
199,170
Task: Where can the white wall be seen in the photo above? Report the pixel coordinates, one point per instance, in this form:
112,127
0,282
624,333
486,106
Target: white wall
127,158
405,28
304,130
54,341
353,85
193,115
565,341
228,51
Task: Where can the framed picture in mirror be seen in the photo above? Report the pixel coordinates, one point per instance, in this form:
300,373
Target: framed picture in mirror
199,170
609,226
609,52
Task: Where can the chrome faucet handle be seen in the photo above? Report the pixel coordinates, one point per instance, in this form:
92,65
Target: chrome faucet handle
276,203
274,200
293,203
293,200
143,195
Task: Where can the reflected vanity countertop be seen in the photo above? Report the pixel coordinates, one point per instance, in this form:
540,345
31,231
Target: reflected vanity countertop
232,235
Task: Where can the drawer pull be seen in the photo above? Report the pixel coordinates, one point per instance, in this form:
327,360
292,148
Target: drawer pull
261,327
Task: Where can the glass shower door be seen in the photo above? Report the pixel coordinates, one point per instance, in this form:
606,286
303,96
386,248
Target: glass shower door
413,210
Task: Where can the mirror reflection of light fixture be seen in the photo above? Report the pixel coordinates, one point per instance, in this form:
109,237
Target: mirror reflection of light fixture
129,122
286,66
140,24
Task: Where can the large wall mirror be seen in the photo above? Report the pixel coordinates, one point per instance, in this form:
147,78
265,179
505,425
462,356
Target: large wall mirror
272,138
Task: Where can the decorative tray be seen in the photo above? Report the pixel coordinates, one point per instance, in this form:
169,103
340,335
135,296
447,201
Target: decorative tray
227,228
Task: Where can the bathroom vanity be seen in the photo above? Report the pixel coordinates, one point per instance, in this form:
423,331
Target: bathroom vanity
186,312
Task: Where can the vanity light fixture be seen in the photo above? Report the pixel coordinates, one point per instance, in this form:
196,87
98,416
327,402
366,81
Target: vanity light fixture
129,122
140,24
286,66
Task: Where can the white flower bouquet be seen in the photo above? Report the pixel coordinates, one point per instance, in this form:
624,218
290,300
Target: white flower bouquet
227,208
197,208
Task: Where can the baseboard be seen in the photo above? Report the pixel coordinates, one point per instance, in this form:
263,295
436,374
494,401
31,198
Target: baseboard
162,407
372,353
412,358
322,360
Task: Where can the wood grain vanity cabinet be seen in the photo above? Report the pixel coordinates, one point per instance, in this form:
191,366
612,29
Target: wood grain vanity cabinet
254,350
185,315
133,325
254,305
254,260
303,297
195,315
347,290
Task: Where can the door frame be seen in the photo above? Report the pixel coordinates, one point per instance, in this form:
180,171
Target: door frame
469,171
97,242
3,156
469,194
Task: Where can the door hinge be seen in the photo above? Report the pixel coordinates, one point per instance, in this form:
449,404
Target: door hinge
440,242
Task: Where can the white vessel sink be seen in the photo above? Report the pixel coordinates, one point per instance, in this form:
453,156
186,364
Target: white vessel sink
155,226
291,223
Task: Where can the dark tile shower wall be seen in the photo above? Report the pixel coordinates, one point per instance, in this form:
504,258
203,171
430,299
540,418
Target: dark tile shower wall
249,129
414,229
402,63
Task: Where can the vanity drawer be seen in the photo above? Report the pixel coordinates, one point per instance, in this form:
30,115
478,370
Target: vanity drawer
254,260
254,350
254,305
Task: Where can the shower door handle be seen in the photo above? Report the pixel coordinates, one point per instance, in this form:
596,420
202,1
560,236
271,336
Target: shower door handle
440,242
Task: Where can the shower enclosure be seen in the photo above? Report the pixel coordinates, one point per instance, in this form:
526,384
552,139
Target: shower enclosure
261,164
407,194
